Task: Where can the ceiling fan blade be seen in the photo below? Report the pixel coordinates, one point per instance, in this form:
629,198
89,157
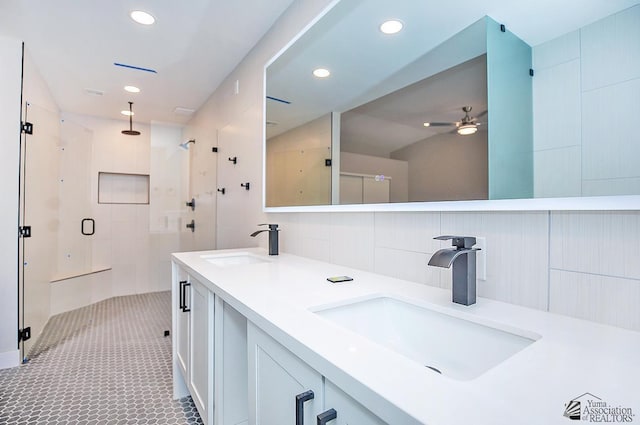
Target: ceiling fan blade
441,124
481,114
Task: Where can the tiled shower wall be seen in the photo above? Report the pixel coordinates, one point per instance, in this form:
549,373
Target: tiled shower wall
581,264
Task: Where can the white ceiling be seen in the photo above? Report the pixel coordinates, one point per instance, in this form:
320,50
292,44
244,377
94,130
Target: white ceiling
193,46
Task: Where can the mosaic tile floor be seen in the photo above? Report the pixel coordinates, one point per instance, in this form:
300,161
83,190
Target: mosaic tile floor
108,363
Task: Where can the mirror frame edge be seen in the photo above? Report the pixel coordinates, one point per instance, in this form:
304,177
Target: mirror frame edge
592,203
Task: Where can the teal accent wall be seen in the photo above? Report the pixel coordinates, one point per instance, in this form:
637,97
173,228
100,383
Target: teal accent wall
510,119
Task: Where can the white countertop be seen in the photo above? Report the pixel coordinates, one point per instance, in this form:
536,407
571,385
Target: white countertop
571,358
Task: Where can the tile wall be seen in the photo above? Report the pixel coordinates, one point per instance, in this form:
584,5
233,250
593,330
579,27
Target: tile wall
586,88
581,264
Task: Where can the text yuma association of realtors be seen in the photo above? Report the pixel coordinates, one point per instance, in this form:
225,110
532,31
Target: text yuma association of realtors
599,411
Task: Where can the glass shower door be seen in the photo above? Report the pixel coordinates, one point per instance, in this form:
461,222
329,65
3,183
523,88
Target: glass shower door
55,202
39,210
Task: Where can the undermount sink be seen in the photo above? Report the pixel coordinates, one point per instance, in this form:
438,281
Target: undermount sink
458,348
233,259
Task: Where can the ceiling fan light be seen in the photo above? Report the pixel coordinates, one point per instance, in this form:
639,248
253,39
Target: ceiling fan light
467,129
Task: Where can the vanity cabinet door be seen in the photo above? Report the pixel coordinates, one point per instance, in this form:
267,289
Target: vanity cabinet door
276,378
181,320
201,350
350,412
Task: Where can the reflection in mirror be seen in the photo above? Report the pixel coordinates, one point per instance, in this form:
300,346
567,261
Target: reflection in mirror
360,135
410,138
296,165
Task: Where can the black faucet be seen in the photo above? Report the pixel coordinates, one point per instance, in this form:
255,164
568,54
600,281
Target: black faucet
273,237
464,269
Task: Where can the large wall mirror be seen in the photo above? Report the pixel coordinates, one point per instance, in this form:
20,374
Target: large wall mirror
461,101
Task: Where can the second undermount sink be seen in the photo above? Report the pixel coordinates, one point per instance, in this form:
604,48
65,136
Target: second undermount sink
456,347
233,259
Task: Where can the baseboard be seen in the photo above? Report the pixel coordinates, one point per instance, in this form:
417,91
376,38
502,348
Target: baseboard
9,359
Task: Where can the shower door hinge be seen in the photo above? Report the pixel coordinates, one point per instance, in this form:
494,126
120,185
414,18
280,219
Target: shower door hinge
24,334
26,127
24,231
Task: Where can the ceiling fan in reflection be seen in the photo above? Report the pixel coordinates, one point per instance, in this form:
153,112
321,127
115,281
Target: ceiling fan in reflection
466,126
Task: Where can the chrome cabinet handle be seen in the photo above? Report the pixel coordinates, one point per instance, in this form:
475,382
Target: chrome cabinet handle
327,416
300,400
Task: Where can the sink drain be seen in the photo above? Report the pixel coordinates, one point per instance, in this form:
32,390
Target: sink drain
433,368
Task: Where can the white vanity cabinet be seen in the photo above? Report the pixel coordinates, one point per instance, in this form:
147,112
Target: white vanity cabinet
284,390
201,348
193,336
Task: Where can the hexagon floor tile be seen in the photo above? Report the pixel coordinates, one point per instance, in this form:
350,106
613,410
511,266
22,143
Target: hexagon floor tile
107,363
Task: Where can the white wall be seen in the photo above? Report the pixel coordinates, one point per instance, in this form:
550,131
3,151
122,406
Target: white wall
565,262
447,167
396,168
586,90
10,72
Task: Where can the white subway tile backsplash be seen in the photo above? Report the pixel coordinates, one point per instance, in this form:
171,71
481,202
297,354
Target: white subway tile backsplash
603,299
352,240
408,231
601,242
582,264
317,225
289,237
406,265
318,249
306,234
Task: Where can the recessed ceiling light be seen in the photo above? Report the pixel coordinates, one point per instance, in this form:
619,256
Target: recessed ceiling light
321,72
132,89
143,18
391,26
127,113
427,124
